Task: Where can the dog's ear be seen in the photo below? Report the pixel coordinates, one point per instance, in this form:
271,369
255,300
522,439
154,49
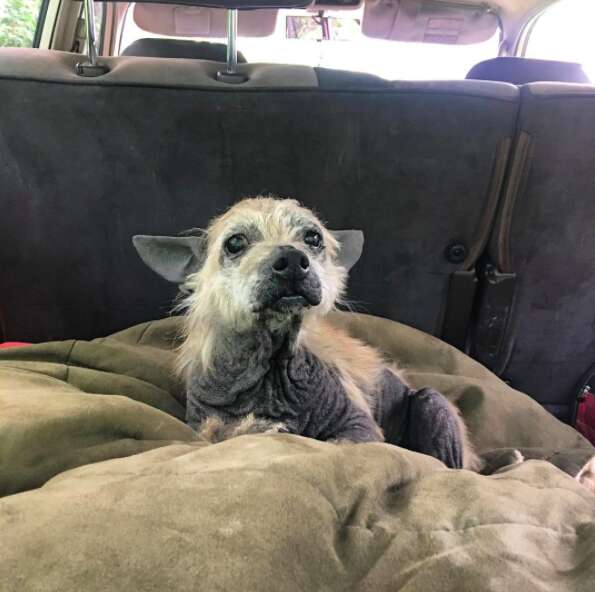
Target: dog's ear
351,244
172,257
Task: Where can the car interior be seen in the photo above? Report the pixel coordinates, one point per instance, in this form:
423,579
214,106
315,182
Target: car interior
476,197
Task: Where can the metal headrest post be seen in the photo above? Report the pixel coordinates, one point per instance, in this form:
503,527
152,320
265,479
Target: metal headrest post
232,38
231,74
90,68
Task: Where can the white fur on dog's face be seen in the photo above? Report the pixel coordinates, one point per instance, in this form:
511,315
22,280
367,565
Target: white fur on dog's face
226,289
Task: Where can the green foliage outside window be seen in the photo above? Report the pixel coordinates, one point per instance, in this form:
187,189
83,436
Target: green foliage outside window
18,19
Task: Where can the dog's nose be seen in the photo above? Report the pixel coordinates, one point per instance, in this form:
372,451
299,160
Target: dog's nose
291,264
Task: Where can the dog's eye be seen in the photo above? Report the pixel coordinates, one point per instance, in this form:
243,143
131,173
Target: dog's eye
236,244
313,239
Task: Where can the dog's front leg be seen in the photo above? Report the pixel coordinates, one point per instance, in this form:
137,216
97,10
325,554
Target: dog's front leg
358,427
433,428
422,420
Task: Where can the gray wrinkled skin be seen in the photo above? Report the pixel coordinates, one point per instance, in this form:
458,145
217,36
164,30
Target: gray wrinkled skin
432,428
419,420
262,372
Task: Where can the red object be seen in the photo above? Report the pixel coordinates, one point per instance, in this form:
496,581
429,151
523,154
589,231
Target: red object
585,417
13,344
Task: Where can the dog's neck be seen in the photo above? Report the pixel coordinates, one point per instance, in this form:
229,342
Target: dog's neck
242,358
268,371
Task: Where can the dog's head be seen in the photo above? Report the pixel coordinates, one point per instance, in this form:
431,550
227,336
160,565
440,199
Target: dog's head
264,258
263,261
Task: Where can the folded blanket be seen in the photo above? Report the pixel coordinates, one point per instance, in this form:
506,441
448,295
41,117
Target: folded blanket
274,512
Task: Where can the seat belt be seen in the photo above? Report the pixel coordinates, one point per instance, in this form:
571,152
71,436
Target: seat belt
463,283
459,306
489,344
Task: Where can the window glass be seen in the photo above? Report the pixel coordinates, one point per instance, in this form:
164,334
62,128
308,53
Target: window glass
99,12
334,40
80,40
18,21
565,31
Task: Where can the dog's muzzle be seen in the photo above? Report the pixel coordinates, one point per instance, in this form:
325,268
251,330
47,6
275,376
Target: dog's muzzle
290,281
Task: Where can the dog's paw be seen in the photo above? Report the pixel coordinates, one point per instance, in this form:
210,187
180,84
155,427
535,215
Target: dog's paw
257,425
586,476
517,457
214,429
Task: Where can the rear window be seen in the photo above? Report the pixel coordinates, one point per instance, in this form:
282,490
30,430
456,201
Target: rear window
334,39
564,32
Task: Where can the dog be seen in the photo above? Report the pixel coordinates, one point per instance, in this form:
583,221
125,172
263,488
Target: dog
258,353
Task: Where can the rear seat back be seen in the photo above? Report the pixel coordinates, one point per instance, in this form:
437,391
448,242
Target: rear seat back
157,146
537,319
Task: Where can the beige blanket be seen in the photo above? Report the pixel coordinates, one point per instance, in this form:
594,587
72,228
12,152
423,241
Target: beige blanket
105,488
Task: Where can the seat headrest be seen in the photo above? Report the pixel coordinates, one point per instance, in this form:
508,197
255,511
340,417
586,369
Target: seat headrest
178,48
525,70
